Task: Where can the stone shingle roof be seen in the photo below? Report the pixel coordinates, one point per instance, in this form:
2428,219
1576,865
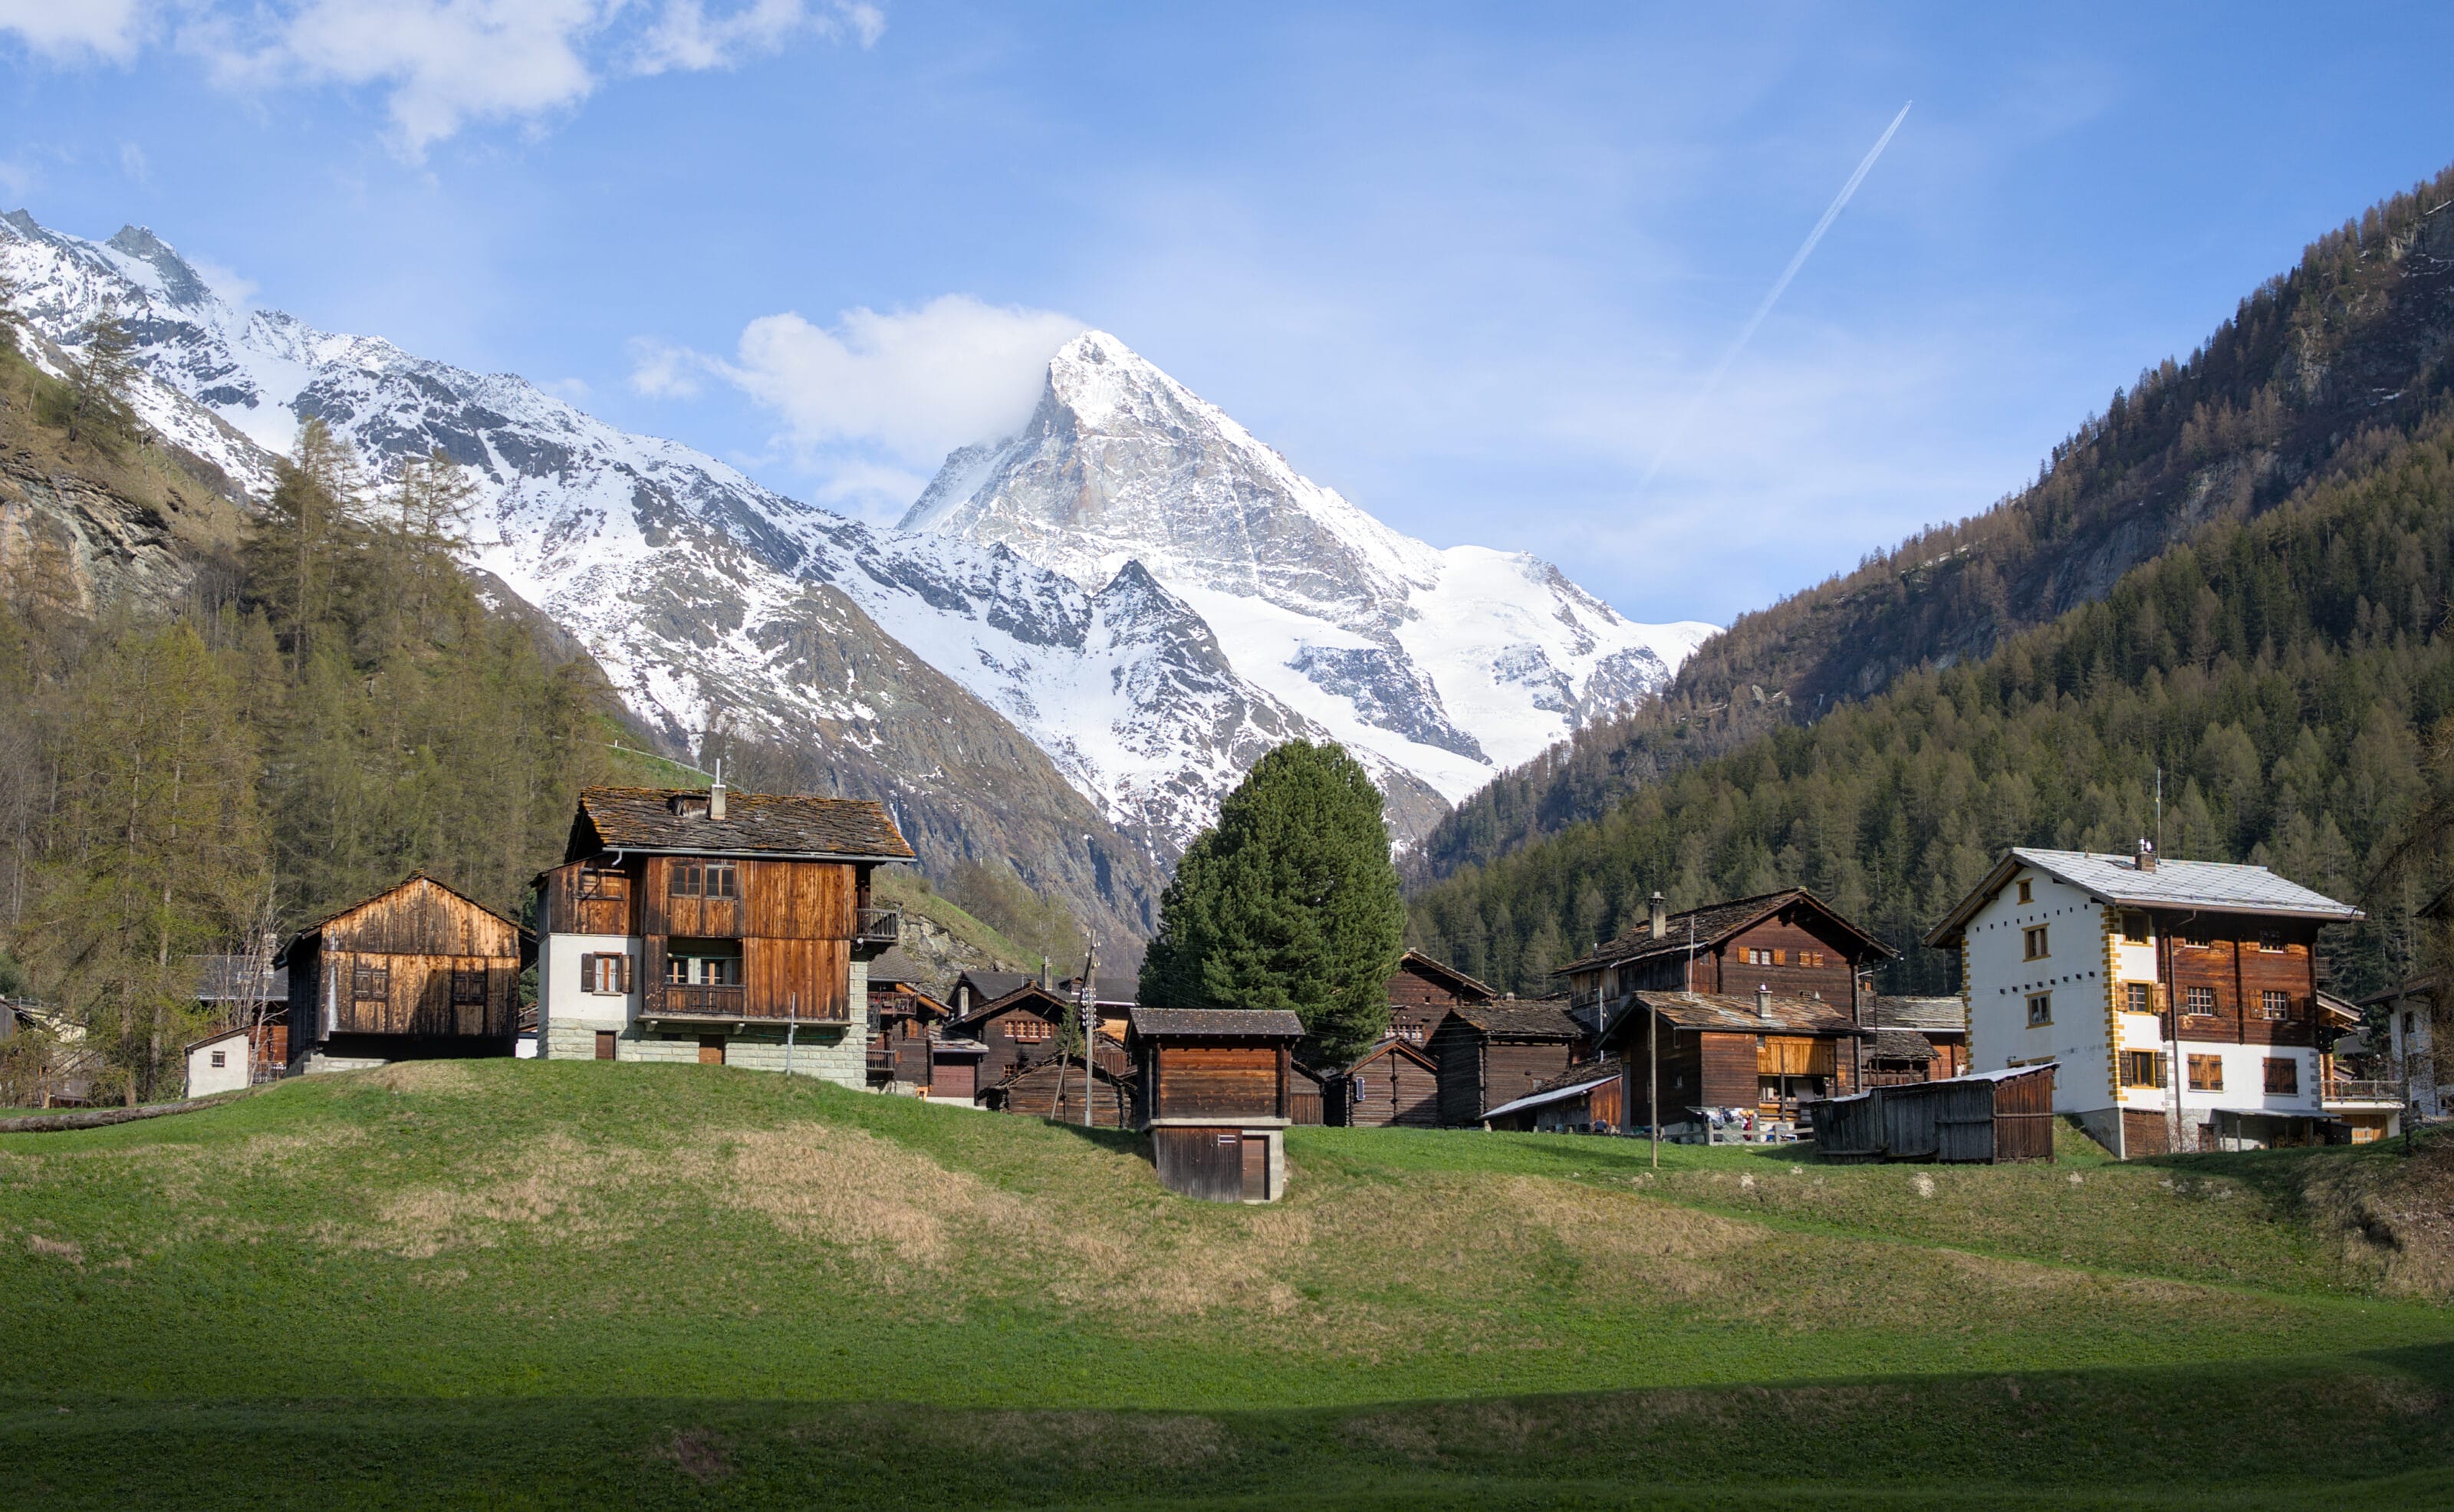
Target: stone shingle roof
1714,923
1736,1012
753,824
1530,1018
1223,1023
2225,887
1932,1015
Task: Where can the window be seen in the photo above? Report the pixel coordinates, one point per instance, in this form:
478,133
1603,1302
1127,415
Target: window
606,972
2040,1009
2200,1002
2273,1004
2196,937
370,983
2410,1023
2134,928
2206,1073
2035,935
2026,894
705,879
221,1058
2140,997
1810,958
707,971
2284,1075
2143,1068
1027,1028
594,883
468,986
1755,956
2271,942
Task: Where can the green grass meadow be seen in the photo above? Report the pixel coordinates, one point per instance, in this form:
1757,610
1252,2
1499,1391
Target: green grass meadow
510,1283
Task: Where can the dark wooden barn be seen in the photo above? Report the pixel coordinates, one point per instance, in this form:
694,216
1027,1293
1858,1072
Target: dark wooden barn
1050,1087
1421,991
1587,1099
1496,1051
1021,1027
415,972
1987,1118
1765,1054
1215,1091
1393,1082
904,1024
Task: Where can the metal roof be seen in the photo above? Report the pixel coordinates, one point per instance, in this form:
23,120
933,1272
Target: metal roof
1556,1094
1217,1023
2225,887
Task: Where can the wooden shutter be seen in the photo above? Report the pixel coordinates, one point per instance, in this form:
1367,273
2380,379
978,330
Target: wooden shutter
588,972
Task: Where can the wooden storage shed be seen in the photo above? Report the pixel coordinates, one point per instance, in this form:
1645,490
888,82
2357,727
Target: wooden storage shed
1393,1082
1215,1091
1987,1118
418,971
1050,1087
1496,1051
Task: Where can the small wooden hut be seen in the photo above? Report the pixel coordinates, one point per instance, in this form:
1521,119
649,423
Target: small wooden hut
1050,1087
1986,1118
1590,1099
1217,1091
1393,1082
416,972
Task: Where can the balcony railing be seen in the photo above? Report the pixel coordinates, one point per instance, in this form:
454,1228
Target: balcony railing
878,926
2345,1089
702,1001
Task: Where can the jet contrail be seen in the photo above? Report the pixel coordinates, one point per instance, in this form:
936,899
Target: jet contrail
1840,202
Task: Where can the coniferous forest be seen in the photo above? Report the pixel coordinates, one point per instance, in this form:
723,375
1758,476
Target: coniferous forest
2292,677
325,708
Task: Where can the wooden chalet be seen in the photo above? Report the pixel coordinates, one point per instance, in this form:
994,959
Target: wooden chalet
1585,1099
1022,1027
717,927
1393,1082
1216,1090
903,1029
1050,1087
974,990
1986,1118
1791,944
1913,1040
1496,1051
1762,1055
416,972
1421,991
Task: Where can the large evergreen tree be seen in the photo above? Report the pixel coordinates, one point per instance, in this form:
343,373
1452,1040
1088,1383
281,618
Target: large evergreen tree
1289,901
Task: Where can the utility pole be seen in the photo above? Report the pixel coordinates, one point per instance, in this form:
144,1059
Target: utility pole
1086,1000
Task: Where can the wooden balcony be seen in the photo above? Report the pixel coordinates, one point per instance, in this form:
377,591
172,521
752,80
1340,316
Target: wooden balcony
878,926
698,1001
2347,1092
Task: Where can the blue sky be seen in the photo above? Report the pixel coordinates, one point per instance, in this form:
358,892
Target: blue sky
1468,266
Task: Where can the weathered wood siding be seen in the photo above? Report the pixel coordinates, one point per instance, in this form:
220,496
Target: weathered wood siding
796,978
1392,1088
1053,1090
1208,1163
1457,1048
1727,1071
414,960
582,897
1417,1004
1787,975
1219,1082
2233,967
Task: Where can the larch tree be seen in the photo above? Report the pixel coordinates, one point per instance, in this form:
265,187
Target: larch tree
1290,901
99,383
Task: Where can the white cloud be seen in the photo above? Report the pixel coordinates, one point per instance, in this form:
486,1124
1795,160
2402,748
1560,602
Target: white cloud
442,64
916,383
663,371
133,163
76,30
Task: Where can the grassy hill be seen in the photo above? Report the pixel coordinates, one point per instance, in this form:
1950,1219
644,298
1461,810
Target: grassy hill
512,1284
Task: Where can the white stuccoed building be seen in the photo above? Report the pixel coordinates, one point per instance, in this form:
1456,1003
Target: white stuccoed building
2178,999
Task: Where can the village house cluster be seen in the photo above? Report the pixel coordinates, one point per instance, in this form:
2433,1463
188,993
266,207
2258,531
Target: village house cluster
2161,1006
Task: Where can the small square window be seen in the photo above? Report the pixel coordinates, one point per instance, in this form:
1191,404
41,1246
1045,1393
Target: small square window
2142,1068
2200,1002
2141,997
2040,1009
2284,1075
221,1058
2271,942
2274,1005
2026,893
2035,936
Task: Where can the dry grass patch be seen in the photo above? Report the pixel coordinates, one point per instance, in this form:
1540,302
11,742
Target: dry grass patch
2395,1220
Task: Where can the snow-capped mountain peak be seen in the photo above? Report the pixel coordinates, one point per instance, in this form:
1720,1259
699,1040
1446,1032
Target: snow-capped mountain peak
1450,663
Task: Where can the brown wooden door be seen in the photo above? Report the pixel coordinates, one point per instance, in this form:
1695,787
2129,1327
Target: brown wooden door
711,1050
1256,1167
605,1041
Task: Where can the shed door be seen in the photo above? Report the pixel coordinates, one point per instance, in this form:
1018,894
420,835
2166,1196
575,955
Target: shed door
1257,1168
711,1050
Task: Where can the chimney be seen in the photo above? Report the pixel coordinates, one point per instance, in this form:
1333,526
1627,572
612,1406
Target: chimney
1763,1002
716,793
2146,856
1660,916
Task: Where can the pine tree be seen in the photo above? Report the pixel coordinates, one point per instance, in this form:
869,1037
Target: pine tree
97,399
1289,901
12,320
300,537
